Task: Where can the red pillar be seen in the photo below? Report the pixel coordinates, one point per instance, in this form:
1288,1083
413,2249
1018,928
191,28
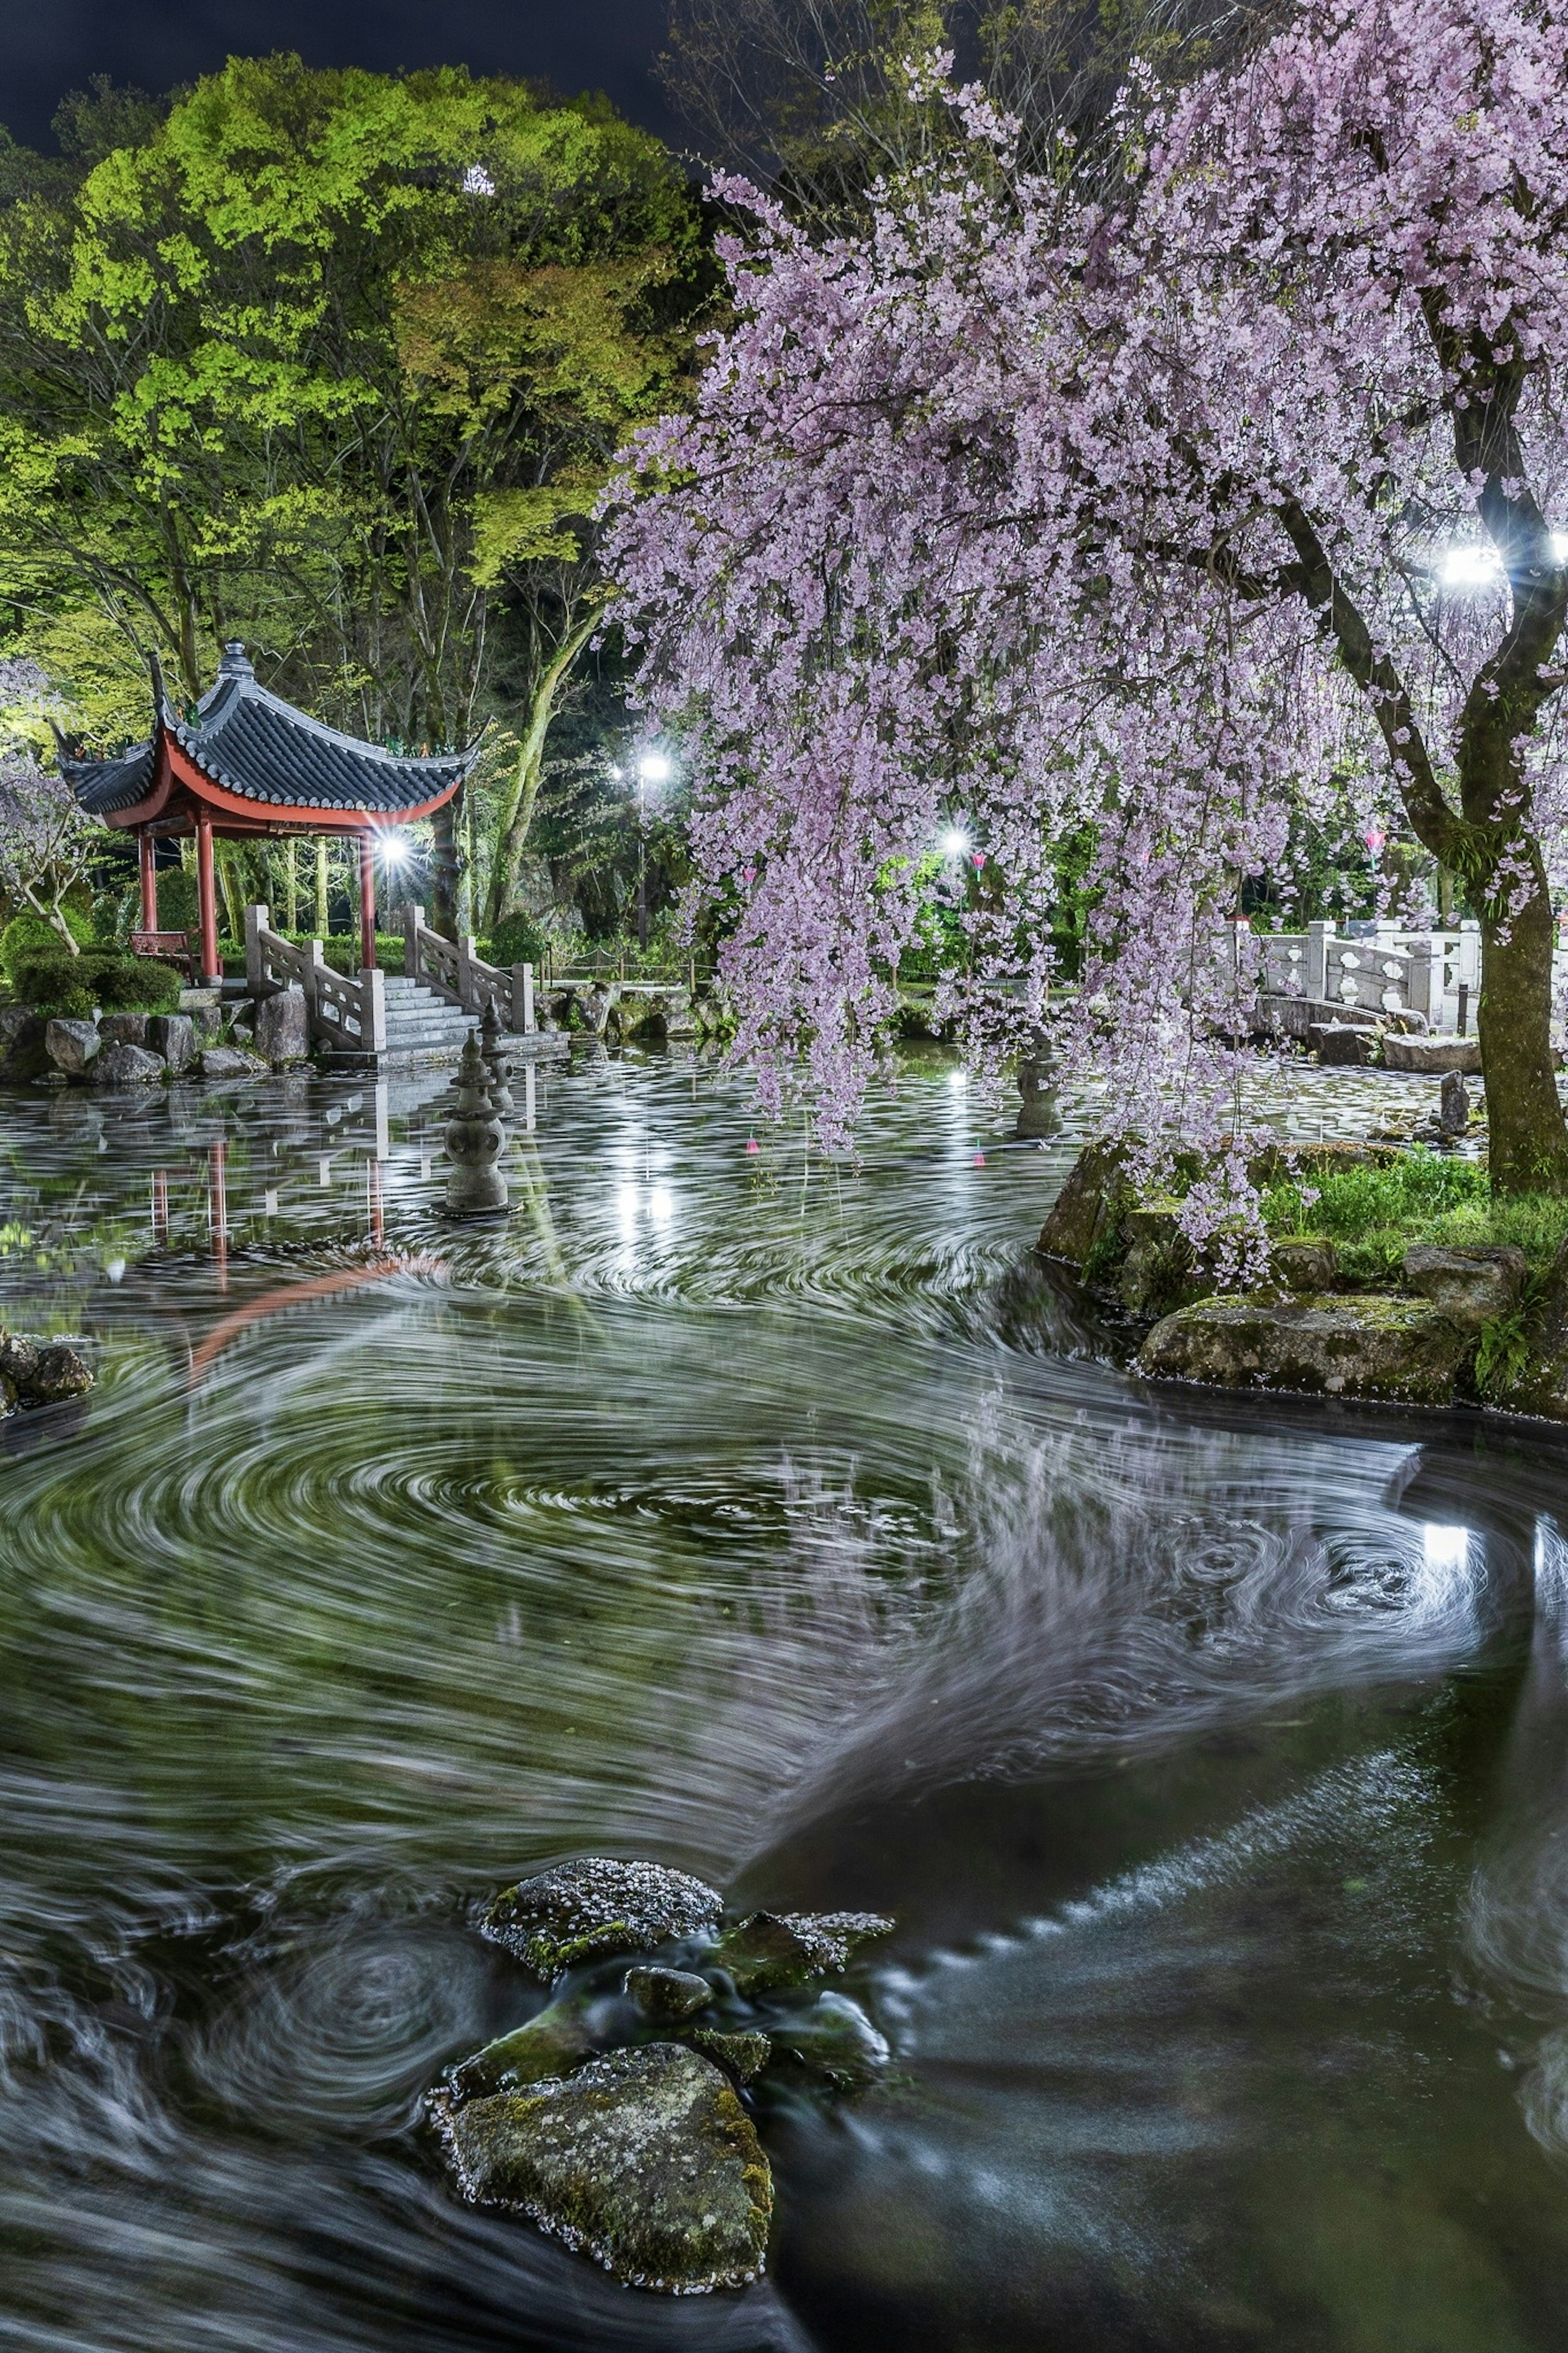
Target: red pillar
206,898
149,880
366,903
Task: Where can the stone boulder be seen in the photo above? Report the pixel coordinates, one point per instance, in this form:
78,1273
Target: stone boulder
550,2044
230,1062
667,1996
173,1035
123,1029
282,1027
1432,1056
645,2159
42,1372
1093,1194
1304,1262
742,2055
770,1949
1470,1286
1374,1344
1156,1274
833,2039
71,1045
1340,1045
23,1056
124,1067
582,1911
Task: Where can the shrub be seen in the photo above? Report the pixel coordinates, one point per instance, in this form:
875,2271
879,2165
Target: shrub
27,933
138,984
517,939
49,981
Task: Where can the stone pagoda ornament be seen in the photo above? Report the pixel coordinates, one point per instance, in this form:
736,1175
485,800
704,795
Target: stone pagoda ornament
475,1140
498,1061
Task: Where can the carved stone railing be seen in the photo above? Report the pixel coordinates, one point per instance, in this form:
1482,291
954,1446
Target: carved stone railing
345,1012
1391,970
457,971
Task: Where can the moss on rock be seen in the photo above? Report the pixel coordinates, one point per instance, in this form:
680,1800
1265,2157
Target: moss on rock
644,2160
1374,1346
581,1911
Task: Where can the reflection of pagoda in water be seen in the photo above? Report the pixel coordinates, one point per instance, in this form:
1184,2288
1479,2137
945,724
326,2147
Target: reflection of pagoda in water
245,765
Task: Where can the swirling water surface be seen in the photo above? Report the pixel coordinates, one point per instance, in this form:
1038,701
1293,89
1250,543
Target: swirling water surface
779,1521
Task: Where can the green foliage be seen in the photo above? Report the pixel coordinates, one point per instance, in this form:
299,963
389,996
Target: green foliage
138,984
1503,1352
47,979
336,362
519,939
1374,1215
341,954
28,934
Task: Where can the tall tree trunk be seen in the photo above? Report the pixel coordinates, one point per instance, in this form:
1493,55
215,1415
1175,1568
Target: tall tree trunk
516,809
1528,1147
445,867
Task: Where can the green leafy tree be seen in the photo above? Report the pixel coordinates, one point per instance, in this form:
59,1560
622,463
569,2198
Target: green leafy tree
335,362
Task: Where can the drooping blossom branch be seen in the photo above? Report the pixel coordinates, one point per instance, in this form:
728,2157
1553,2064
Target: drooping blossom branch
1131,501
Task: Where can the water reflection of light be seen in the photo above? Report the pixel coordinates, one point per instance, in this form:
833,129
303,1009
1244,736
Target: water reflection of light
626,1205
660,1206
1446,1548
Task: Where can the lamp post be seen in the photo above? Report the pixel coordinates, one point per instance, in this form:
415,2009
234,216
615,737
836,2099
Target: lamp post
653,768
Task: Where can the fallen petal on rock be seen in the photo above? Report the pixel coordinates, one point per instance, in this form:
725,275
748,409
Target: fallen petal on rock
644,2160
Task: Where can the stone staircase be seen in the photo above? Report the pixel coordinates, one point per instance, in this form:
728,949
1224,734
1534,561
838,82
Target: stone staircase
419,1023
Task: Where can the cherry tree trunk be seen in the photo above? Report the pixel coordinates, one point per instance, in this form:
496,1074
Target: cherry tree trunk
1529,1138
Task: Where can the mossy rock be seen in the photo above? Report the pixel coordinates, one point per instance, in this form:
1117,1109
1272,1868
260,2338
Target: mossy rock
645,2160
667,1996
582,1911
833,2039
551,2042
742,2055
1374,1346
1088,1209
768,1950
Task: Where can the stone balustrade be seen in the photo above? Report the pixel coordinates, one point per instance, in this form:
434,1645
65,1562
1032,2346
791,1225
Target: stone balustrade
345,1011
457,971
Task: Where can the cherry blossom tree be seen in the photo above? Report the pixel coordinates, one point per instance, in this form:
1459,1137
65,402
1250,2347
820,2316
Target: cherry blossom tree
1223,480
48,844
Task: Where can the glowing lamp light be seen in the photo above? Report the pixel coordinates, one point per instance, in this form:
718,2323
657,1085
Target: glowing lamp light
1373,839
653,767
978,860
1469,566
953,843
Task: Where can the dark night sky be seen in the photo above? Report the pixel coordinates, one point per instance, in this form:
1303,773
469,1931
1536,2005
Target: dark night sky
48,47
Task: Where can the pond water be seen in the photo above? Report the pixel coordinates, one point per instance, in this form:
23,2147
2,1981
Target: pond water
775,1521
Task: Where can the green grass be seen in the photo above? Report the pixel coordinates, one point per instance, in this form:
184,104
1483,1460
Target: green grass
1372,1214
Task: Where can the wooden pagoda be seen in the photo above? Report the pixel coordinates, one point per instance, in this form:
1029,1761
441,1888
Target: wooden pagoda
246,766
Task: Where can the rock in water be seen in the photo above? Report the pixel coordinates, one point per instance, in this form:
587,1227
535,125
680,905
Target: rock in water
768,1949
745,2055
645,2160
126,1066
667,1996
836,2040
580,1910
551,2043
1453,1105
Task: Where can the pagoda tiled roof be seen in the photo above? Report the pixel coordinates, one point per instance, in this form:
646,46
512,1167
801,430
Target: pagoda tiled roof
254,745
